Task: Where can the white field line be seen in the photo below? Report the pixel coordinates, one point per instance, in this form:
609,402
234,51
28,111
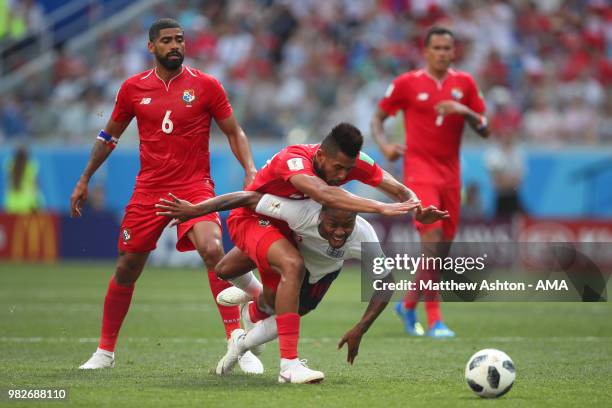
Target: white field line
88,307
194,340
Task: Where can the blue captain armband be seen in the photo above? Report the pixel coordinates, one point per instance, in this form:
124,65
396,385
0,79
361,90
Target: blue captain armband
108,139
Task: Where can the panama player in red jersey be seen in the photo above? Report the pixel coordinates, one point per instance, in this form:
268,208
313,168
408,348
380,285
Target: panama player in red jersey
173,105
315,171
436,102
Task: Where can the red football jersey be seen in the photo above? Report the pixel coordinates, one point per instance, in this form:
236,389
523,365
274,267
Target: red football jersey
173,125
273,177
432,142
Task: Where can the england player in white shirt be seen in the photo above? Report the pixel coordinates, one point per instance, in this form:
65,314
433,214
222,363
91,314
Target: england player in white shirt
326,237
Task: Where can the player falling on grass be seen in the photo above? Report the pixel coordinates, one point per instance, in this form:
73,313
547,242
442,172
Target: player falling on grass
296,172
325,238
436,102
173,105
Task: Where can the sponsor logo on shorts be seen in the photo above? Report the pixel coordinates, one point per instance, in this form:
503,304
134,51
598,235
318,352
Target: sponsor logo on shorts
264,223
126,235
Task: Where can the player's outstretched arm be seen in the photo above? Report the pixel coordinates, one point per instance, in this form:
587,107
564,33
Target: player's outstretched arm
103,146
240,147
378,303
392,151
394,189
183,210
336,197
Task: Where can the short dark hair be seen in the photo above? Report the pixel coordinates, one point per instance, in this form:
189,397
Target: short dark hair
436,30
161,24
345,138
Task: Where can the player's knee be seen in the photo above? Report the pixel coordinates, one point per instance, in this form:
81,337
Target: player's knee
211,252
126,273
129,267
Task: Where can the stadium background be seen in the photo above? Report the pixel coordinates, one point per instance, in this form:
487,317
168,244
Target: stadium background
292,69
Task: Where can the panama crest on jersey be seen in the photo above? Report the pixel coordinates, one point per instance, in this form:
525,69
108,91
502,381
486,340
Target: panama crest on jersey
188,96
456,93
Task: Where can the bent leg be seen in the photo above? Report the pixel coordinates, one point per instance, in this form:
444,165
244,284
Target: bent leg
286,261
206,238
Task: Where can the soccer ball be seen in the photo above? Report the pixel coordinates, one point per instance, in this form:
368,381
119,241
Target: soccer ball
490,373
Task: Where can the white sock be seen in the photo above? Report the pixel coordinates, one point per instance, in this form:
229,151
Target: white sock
286,363
249,284
263,332
105,352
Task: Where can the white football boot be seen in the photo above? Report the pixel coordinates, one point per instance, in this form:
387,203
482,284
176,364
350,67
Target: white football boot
250,364
233,354
297,372
233,296
248,325
99,359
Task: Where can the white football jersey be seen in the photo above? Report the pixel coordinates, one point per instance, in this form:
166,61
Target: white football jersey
320,258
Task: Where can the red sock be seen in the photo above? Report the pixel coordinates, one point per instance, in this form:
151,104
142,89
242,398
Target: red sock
255,313
409,304
432,308
116,305
288,327
229,314
412,296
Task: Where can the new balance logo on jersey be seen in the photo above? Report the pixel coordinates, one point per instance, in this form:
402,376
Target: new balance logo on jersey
423,96
145,101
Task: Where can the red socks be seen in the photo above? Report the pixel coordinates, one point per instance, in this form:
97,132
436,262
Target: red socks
288,327
118,299
432,308
229,314
431,297
116,305
255,313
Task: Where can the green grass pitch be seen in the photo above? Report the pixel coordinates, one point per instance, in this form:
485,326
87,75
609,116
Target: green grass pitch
50,318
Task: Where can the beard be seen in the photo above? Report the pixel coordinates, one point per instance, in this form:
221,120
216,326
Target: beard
170,64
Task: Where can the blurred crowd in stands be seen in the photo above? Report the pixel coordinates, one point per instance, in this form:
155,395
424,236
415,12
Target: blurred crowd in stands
294,68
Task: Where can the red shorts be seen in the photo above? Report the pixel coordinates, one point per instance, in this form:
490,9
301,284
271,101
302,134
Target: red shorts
444,198
141,227
253,234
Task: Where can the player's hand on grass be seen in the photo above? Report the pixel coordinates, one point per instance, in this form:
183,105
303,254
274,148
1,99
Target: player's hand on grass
430,215
78,198
352,339
180,210
393,209
392,151
450,107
